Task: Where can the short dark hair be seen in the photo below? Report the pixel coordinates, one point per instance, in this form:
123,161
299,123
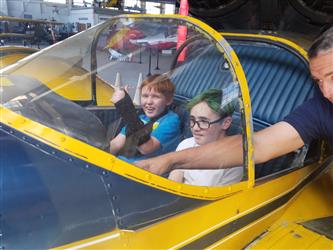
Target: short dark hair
323,43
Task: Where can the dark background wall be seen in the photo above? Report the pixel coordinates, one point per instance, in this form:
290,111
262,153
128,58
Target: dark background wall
309,17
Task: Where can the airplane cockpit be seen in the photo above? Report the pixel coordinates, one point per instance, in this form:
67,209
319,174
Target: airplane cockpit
57,120
72,94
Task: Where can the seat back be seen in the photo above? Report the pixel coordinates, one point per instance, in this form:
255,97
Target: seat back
278,81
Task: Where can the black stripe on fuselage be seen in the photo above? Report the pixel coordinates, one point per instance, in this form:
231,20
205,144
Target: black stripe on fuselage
235,225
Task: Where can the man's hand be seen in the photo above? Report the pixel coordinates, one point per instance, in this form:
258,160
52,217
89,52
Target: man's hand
157,165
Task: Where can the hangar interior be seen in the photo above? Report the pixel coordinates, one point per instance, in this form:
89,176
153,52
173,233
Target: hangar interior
57,117
71,16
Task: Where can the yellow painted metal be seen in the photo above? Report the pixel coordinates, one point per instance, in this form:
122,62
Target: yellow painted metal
76,89
107,161
232,202
69,88
53,76
103,93
116,38
9,59
242,237
293,236
182,229
11,54
4,81
72,88
16,49
248,116
111,3
317,197
272,38
79,89
315,201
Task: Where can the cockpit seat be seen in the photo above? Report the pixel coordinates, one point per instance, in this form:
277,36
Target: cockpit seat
278,81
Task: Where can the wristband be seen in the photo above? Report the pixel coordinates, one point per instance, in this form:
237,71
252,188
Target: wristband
127,111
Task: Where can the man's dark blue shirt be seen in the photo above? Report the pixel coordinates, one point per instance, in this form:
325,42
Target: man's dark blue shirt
313,120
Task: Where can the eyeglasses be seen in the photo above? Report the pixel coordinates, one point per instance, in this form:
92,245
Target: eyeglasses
202,124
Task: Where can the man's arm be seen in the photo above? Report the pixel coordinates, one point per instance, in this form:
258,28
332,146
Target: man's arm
208,156
276,140
269,143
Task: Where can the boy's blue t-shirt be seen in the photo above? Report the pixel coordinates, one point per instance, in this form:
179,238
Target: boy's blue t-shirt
313,120
166,130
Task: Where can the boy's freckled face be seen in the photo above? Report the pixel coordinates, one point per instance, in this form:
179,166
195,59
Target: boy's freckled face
153,103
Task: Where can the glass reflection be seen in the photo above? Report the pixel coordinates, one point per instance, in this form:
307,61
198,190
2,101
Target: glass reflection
69,86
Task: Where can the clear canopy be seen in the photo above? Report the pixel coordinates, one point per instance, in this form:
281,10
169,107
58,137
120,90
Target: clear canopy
68,86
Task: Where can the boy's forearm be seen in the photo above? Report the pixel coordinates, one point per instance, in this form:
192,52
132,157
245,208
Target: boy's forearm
149,146
114,149
126,109
117,143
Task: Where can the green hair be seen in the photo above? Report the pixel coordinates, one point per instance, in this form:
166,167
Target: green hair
213,98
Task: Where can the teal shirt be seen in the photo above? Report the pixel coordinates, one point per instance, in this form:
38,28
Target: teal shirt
166,130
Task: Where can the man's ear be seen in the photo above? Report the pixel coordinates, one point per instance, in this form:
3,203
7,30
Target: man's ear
227,122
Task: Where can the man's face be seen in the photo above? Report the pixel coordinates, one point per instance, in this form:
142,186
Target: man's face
153,103
321,68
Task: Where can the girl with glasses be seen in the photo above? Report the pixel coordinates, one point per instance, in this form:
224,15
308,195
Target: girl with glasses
208,123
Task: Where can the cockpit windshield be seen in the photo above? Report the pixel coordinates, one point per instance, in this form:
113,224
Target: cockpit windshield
68,86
